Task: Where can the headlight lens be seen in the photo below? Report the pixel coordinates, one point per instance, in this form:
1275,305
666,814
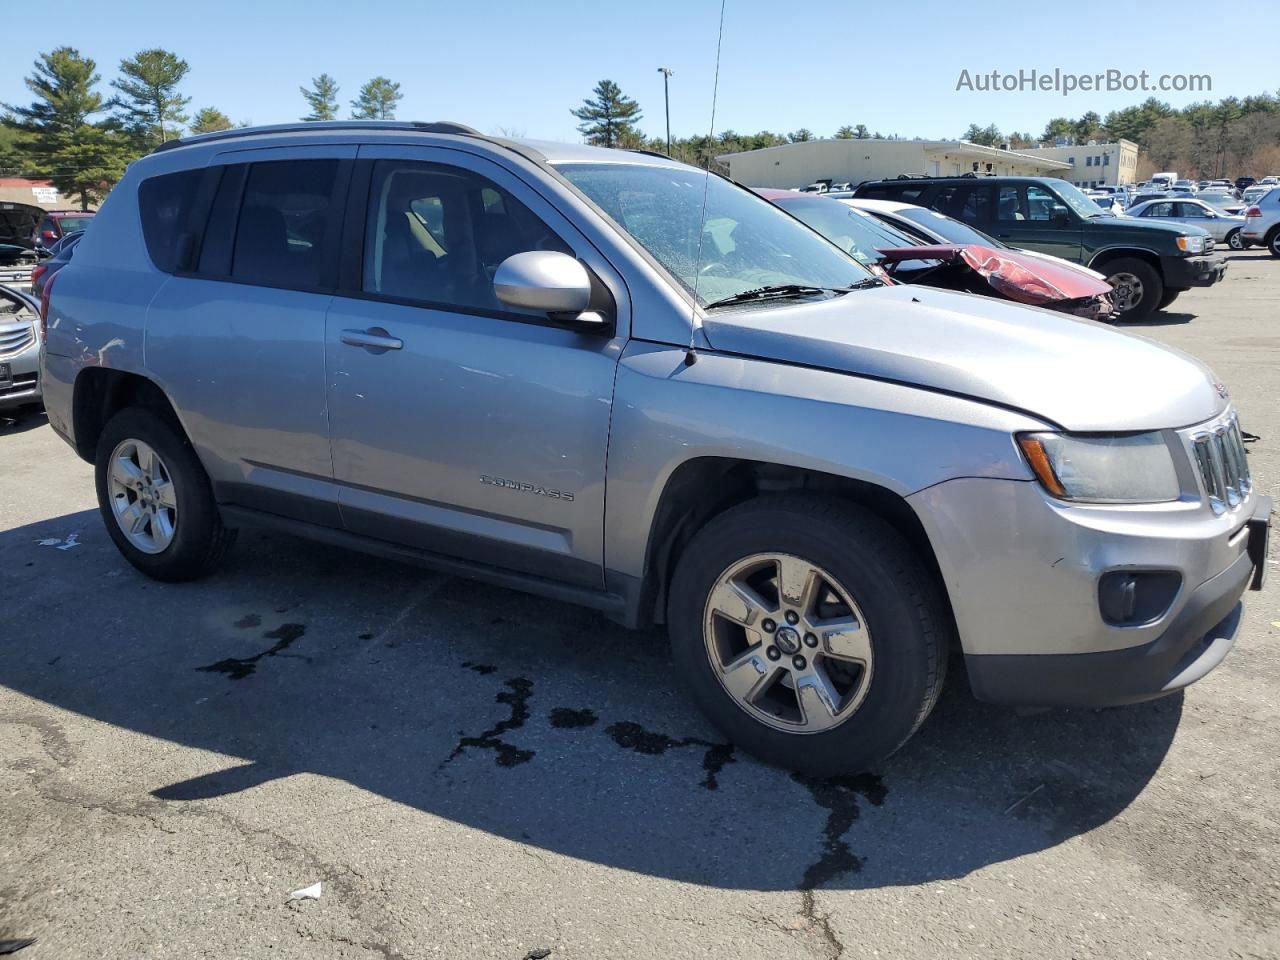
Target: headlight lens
1125,468
1191,244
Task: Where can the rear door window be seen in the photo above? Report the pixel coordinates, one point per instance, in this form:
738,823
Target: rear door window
286,227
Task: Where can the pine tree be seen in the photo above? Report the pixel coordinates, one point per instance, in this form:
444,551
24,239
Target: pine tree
608,117
322,98
148,102
209,120
377,100
57,141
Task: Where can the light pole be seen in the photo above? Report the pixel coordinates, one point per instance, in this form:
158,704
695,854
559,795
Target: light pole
666,99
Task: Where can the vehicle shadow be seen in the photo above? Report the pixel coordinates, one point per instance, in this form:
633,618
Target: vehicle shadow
1161,318
20,421
535,721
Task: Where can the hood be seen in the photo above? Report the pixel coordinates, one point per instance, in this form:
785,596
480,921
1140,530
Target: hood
1080,375
1020,275
18,222
1138,223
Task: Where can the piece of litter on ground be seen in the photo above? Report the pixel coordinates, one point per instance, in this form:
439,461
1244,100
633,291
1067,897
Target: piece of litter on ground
72,541
1276,624
538,953
13,946
307,893
1016,804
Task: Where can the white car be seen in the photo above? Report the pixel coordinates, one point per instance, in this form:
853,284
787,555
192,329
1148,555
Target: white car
1223,227
1262,222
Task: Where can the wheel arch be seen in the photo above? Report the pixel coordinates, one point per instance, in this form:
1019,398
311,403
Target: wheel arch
100,393
702,488
1103,257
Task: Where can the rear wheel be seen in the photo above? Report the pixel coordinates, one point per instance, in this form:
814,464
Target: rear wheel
809,633
1273,241
156,500
1138,287
1234,240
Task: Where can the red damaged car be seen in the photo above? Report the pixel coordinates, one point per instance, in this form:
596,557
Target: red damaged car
970,262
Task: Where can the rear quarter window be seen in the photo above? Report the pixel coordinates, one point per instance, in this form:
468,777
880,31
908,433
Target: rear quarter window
905,193
166,204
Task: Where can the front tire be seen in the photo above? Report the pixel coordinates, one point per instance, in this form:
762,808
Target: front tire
808,632
1167,298
156,500
1138,288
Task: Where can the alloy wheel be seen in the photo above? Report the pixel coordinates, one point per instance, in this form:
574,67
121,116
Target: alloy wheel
1128,291
143,499
1235,241
788,643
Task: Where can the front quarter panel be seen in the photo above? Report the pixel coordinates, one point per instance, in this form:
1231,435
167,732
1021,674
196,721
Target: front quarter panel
904,439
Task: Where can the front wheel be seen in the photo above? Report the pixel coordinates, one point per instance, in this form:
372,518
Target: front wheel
156,500
808,632
1138,287
1167,298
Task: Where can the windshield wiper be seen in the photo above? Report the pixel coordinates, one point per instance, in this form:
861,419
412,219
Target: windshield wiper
783,290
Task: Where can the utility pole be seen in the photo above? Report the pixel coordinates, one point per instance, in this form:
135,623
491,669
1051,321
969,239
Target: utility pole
666,99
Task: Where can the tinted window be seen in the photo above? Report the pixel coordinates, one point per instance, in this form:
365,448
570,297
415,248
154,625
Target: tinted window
437,234
1158,210
904,193
950,231
280,236
166,205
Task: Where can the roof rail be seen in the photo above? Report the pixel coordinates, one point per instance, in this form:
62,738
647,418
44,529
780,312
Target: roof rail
299,126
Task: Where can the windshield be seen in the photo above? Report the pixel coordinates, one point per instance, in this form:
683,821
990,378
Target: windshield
858,234
951,231
747,242
1077,201
73,224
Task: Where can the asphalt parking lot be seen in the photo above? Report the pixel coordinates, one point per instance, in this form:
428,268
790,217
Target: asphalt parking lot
471,772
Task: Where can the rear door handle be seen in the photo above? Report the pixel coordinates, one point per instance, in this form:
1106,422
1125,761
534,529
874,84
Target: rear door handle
374,338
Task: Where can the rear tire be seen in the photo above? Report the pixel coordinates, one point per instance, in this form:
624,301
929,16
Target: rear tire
156,500
853,680
1138,288
1273,241
1235,241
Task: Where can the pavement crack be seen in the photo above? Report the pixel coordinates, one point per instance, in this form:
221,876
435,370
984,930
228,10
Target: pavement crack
516,695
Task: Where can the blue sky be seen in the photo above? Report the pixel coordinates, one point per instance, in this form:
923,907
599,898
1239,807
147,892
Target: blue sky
521,66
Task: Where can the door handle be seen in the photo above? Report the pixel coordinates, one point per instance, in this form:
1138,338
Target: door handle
374,338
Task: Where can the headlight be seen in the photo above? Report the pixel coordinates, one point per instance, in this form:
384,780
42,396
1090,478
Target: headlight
1125,468
1191,244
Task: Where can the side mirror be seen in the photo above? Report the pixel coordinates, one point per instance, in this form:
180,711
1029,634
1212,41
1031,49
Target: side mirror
1060,217
544,280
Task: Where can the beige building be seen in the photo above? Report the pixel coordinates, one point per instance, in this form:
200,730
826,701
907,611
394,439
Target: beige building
1095,164
798,164
37,193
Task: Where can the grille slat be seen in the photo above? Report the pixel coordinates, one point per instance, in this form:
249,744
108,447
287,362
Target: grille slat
1223,465
14,339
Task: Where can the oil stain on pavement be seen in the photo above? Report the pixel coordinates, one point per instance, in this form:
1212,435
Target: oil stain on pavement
238,668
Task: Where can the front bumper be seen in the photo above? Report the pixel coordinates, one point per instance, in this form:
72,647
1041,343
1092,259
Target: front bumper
1024,573
1183,272
23,385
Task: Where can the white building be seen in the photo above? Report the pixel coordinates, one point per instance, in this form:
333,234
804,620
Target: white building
798,164
1095,164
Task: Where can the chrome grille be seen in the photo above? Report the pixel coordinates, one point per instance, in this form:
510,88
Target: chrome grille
1223,465
15,337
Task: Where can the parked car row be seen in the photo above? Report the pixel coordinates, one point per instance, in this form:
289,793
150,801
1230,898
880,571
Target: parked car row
1147,262
619,380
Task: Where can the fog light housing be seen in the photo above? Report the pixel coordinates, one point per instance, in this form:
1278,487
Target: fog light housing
1131,598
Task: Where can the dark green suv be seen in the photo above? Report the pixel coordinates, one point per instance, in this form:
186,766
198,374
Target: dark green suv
1149,264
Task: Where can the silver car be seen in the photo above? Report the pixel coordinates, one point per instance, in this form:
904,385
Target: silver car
1223,227
19,350
610,378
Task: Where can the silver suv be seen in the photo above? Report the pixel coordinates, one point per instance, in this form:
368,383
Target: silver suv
612,379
